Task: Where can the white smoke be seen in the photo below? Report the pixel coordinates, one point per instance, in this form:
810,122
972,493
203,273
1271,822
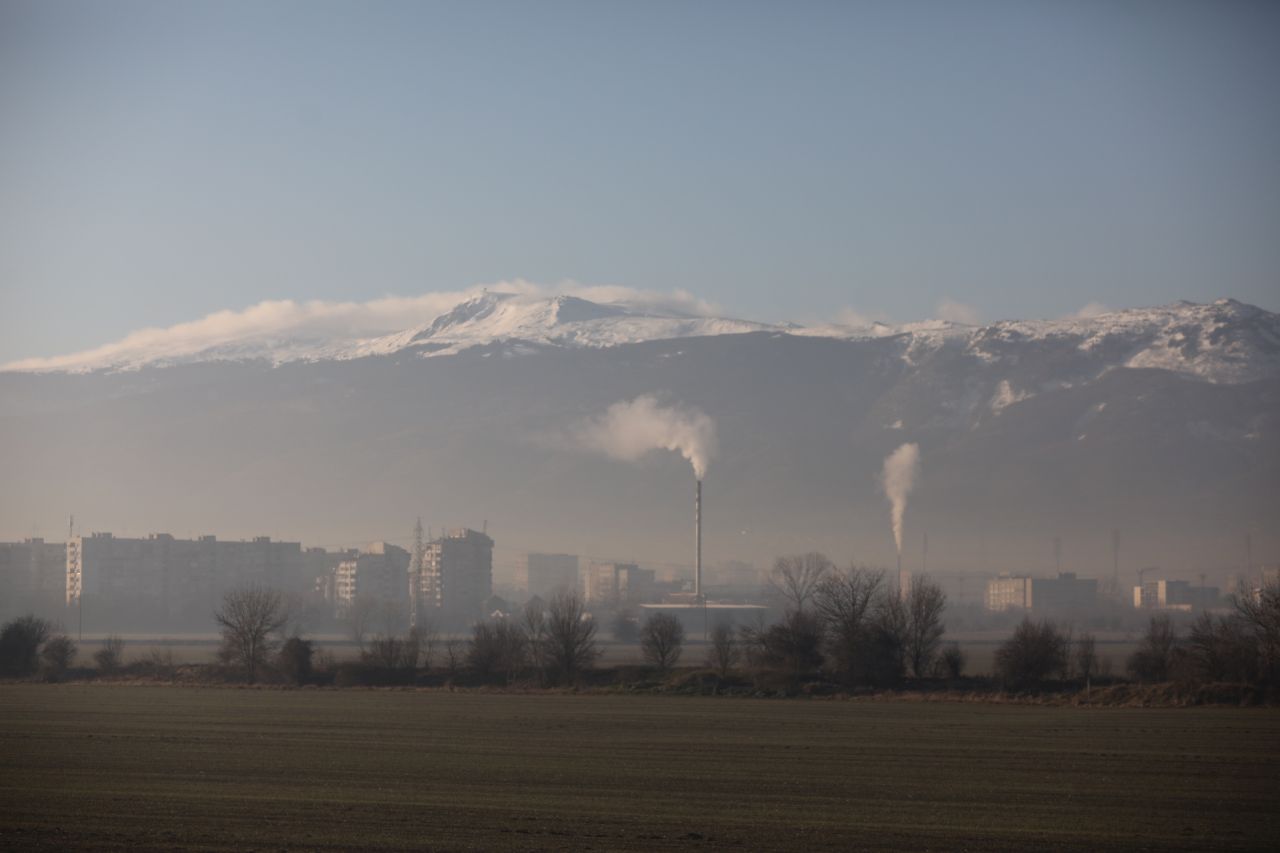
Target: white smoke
631,428
897,479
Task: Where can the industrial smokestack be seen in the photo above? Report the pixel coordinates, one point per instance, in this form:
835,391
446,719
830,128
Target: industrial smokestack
697,540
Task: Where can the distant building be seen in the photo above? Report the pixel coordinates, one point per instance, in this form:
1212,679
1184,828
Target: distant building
322,568
1008,593
550,574
456,576
380,572
1174,595
32,575
612,584
735,575
1064,592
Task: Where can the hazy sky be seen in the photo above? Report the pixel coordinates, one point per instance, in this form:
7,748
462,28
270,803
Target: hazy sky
163,160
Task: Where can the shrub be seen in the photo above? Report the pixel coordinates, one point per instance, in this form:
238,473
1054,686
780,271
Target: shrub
951,662
110,657
294,660
57,656
790,649
20,642
1034,652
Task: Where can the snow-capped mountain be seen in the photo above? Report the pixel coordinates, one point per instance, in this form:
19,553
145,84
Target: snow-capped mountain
559,321
1164,422
1225,341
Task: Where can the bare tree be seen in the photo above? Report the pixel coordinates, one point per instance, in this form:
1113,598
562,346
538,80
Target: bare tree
392,653
534,623
1086,655
251,619
454,653
1223,649
925,603
661,640
845,602
570,646
723,652
110,657
425,635
796,579
1261,614
359,618
498,647
1153,659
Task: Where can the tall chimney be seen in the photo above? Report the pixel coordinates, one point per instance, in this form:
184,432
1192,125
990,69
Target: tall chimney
697,539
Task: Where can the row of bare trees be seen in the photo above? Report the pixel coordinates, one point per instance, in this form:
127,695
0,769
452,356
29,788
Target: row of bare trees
1238,647
850,623
556,643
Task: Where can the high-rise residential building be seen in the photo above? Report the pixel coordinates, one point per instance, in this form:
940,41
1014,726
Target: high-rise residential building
379,573
32,575
456,577
167,577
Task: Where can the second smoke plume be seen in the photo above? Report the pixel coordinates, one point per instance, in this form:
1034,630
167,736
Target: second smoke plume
897,479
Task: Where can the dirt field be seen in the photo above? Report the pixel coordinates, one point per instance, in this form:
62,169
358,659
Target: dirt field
97,766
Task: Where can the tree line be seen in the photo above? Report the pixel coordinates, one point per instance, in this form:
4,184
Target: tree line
845,627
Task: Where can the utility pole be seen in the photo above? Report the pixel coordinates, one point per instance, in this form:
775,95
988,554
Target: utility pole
1248,556
1115,558
1057,554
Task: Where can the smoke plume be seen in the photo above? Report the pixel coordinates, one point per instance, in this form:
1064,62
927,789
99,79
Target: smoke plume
631,428
897,479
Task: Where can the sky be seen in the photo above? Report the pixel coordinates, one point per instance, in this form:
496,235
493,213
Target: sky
162,161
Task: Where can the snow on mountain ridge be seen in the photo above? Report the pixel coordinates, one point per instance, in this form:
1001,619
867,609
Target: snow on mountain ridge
1224,341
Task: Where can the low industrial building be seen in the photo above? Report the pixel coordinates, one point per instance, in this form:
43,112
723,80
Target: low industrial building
1174,595
699,618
